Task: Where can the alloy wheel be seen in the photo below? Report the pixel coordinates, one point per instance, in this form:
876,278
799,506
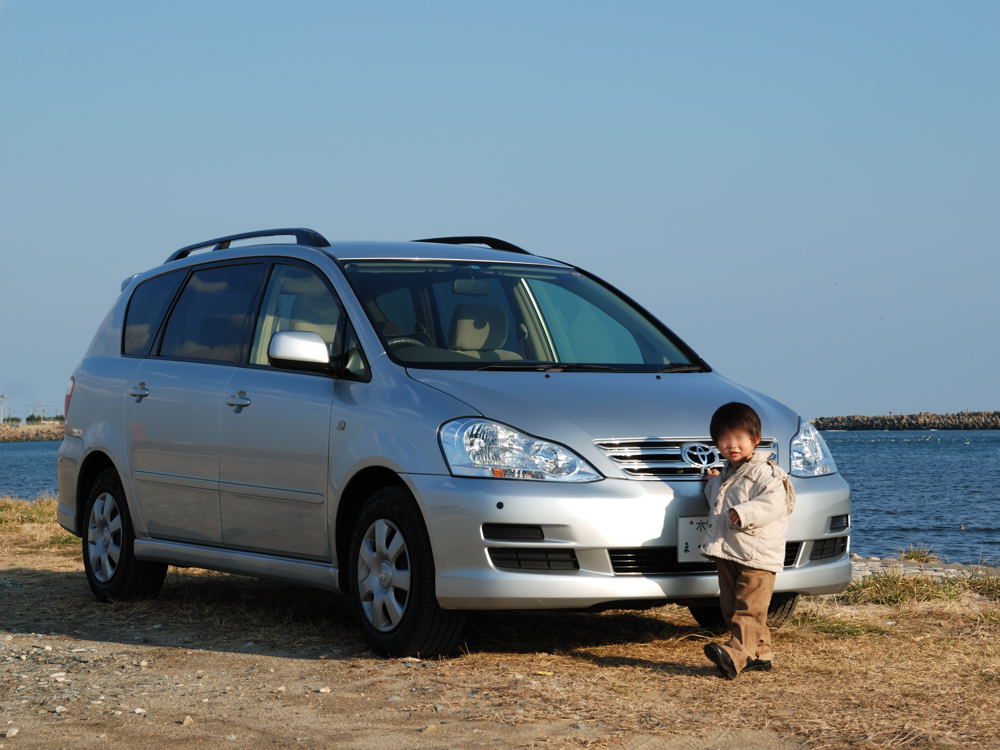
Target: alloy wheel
104,536
383,575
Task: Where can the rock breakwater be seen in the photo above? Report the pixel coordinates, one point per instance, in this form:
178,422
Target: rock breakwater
27,432
925,420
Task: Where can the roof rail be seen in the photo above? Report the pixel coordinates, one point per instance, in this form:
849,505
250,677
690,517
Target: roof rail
491,242
306,237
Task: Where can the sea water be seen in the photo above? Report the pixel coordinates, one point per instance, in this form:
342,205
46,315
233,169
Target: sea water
935,488
28,470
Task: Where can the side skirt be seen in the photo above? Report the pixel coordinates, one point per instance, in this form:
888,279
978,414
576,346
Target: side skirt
301,572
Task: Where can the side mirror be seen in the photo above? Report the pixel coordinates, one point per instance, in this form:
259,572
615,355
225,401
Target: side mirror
299,350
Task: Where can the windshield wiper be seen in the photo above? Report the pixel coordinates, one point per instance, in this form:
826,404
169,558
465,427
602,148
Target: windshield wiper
584,367
538,367
682,367
548,366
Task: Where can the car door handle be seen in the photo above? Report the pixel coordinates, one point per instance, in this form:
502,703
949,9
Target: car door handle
138,392
240,400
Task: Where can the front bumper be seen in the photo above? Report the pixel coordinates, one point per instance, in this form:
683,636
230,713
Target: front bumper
590,518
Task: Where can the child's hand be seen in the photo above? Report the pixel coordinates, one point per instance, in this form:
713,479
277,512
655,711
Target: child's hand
711,473
734,517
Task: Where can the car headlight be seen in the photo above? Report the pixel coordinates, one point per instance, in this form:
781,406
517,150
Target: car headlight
810,455
484,448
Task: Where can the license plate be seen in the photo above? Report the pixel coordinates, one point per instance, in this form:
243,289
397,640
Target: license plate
690,532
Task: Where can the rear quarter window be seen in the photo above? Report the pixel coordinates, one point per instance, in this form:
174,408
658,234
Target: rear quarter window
145,312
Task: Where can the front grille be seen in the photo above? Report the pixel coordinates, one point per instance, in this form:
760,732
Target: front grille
662,561
512,531
660,458
839,523
824,548
533,558
653,561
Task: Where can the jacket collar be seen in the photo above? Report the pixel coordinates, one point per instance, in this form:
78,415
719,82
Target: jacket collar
756,458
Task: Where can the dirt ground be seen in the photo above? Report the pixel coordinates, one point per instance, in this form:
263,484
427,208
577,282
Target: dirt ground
230,661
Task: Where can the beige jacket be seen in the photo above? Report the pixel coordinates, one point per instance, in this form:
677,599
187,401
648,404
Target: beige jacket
762,495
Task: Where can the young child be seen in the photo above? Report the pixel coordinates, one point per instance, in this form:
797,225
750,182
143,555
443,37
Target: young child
749,502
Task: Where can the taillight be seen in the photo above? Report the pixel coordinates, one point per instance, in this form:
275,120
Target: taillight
69,396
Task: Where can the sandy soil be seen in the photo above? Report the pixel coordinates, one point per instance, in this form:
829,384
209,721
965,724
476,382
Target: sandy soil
231,661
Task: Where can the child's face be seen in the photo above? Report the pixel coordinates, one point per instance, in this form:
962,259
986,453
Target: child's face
736,445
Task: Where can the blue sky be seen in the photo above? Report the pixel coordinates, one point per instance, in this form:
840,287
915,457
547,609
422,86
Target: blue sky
808,193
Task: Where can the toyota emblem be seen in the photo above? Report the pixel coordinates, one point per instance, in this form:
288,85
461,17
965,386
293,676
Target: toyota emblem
700,455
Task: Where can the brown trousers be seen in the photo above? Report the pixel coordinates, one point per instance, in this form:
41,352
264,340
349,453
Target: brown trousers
745,594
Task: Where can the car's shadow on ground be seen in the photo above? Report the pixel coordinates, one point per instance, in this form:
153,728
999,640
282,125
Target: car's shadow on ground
227,613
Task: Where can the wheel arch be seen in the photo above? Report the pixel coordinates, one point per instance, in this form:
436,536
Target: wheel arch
352,499
95,462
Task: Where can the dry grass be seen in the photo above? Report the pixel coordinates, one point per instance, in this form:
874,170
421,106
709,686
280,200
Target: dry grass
891,662
14,513
892,587
918,553
985,583
30,525
834,625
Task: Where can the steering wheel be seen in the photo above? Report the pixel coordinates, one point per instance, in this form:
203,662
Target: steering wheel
407,340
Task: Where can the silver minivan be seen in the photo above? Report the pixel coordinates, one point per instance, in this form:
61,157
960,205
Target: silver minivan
428,427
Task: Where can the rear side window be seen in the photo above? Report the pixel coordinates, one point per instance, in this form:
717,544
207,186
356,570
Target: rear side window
209,321
149,302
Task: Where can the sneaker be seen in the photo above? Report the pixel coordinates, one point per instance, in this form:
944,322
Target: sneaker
721,658
758,664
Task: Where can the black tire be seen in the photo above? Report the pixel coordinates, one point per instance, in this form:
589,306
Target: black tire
709,616
422,627
108,527
781,609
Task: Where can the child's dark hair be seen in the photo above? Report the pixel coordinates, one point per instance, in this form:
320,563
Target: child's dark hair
734,416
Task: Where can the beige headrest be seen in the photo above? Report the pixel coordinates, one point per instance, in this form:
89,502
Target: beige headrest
476,327
319,314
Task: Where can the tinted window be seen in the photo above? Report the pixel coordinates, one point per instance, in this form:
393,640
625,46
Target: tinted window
455,299
569,314
297,299
397,311
209,321
149,302
460,314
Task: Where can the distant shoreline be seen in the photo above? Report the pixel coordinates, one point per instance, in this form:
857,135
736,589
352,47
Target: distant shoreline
925,420
30,432
966,420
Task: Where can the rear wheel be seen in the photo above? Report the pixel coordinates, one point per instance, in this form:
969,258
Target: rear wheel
392,580
113,572
782,605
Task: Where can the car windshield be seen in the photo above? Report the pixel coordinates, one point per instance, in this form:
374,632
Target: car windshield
466,315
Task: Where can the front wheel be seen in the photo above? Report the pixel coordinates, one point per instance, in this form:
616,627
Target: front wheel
392,580
782,605
113,572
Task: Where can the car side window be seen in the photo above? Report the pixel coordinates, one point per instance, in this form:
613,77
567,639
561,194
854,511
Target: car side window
297,299
146,309
209,321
